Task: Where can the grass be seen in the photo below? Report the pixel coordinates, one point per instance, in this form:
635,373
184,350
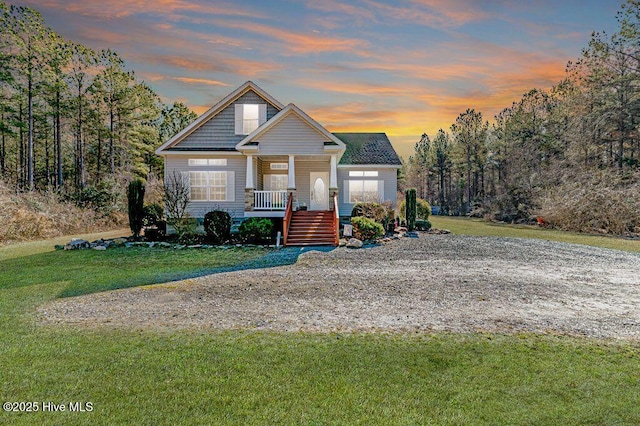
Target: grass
246,377
479,227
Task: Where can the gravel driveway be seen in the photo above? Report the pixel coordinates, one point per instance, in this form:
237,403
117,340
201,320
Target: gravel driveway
432,283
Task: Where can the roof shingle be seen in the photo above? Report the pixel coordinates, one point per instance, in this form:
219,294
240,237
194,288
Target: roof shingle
368,148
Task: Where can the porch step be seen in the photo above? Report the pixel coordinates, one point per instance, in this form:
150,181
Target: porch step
309,228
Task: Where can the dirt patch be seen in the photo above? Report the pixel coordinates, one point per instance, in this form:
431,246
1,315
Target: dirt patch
432,283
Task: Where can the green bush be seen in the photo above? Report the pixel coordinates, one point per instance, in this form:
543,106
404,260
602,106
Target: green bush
423,225
135,204
366,229
217,225
373,211
256,230
152,214
104,198
411,208
423,209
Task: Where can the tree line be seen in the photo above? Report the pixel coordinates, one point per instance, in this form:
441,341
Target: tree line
71,118
585,127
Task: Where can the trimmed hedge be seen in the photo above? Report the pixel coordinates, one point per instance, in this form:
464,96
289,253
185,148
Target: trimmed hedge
366,229
256,230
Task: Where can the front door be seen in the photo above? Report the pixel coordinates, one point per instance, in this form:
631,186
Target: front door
319,191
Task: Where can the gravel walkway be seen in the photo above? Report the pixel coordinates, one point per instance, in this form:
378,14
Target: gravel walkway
432,283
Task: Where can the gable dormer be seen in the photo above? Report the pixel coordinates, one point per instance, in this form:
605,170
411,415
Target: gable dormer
225,124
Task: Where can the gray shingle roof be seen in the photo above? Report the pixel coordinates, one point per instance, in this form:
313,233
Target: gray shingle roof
368,148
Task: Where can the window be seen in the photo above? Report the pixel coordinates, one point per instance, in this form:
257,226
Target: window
279,166
205,162
355,173
248,117
198,186
363,191
276,182
211,186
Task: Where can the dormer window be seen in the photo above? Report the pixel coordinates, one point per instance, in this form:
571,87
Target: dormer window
249,117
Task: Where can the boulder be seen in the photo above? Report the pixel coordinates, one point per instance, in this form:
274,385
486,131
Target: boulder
99,248
342,242
354,243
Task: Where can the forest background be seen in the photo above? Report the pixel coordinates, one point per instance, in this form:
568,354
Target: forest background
77,125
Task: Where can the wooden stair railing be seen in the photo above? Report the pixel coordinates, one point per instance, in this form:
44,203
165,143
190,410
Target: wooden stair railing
287,219
336,219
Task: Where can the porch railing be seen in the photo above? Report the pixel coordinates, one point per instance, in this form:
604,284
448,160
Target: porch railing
270,200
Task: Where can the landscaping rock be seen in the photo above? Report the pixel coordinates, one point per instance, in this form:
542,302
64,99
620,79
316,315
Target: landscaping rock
437,231
354,243
100,248
342,242
412,234
77,244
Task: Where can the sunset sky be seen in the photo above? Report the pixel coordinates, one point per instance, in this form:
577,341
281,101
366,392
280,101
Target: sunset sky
404,68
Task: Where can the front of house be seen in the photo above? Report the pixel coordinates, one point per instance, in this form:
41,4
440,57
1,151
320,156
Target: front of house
252,156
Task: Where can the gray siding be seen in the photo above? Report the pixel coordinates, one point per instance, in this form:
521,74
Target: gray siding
291,136
303,178
389,176
219,131
235,164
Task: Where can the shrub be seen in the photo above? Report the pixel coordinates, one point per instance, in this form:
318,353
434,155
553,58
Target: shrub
411,209
423,209
104,198
135,204
366,229
373,211
256,230
423,225
217,225
152,214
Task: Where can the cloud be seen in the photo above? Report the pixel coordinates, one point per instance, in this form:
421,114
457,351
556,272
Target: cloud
298,42
116,9
198,81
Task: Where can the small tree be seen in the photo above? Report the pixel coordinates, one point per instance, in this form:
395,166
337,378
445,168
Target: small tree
135,199
217,225
411,210
177,197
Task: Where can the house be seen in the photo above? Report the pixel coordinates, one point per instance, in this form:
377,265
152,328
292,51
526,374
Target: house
252,156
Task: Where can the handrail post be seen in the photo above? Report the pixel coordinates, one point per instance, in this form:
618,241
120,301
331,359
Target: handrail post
287,219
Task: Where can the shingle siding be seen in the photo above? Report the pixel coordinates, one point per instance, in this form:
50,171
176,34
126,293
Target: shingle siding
219,131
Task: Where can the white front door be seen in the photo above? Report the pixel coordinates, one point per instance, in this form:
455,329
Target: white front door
319,191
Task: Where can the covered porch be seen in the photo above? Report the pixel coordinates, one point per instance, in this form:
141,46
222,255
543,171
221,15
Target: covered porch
312,181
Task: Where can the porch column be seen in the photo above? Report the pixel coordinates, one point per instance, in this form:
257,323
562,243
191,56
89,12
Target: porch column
292,173
249,201
333,179
249,182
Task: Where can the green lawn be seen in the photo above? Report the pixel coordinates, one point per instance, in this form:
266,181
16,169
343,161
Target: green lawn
246,377
479,227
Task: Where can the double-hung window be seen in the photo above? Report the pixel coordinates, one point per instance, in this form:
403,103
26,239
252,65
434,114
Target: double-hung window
211,186
248,117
